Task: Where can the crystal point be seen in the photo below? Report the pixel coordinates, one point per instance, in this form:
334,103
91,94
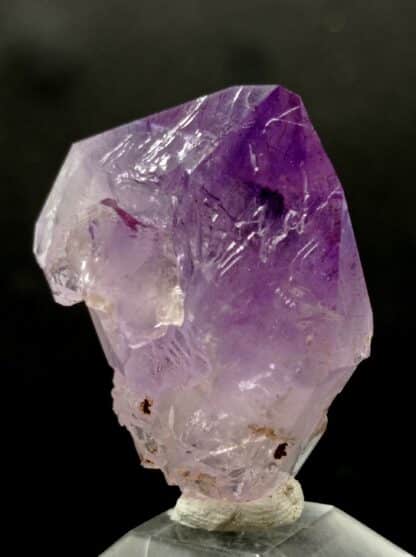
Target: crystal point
213,247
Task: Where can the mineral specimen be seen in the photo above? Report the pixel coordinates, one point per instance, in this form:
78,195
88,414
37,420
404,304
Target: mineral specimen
213,247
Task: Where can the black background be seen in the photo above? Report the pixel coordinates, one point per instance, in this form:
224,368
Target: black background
72,69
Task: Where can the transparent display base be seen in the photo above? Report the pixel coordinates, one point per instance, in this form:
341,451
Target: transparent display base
322,531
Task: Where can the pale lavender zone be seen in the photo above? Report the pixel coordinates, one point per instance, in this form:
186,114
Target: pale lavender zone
213,247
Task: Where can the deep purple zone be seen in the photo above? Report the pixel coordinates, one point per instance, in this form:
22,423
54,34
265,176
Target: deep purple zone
276,131
285,153
279,131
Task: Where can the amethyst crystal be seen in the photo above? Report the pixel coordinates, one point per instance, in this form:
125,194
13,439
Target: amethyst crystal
213,247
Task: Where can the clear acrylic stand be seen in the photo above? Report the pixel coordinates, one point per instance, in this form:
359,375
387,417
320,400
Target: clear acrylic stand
322,531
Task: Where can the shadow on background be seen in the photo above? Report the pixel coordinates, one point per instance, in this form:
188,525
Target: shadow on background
72,69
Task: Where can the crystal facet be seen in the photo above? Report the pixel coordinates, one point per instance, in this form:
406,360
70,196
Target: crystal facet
213,247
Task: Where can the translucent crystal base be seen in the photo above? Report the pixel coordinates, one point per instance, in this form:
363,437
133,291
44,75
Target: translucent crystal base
322,531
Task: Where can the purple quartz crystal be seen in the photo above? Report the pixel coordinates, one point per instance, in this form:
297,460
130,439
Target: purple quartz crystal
213,247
